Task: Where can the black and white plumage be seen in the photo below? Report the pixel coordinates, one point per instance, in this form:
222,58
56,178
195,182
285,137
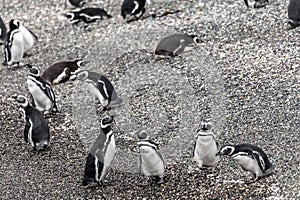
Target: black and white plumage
3,32
41,92
87,15
176,44
251,158
28,36
36,130
205,148
293,14
135,8
152,163
101,154
100,87
14,45
75,3
61,72
256,3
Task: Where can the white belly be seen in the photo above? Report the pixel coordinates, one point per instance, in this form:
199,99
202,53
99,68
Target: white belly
108,157
41,100
249,164
94,91
28,39
17,48
205,152
151,163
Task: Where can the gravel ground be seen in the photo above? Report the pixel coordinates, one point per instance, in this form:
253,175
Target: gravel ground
244,77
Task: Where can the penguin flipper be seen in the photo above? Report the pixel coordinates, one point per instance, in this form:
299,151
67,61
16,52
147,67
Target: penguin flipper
34,35
259,160
102,89
26,130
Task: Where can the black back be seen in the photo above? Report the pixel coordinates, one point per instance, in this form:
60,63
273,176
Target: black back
90,170
3,34
294,10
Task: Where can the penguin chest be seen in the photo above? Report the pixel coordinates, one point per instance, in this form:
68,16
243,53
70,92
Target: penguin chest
109,151
248,164
205,152
17,47
151,162
93,90
39,96
28,39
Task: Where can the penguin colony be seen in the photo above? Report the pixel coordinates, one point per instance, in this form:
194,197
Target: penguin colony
18,40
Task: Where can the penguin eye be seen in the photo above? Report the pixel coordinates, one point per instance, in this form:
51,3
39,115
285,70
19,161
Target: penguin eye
197,40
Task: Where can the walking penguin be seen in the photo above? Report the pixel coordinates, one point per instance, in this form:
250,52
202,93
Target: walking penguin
205,148
134,8
36,130
152,163
41,92
101,154
100,87
251,158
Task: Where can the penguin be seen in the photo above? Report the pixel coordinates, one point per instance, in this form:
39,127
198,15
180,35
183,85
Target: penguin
28,36
135,8
75,3
205,148
41,92
151,160
60,72
14,45
250,157
256,3
36,130
175,44
3,32
87,15
101,154
293,14
100,87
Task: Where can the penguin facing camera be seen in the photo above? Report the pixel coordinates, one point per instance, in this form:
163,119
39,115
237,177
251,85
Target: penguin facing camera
28,36
256,3
293,14
3,32
101,154
176,44
151,160
251,158
100,87
14,45
61,72
205,148
41,92
36,131
133,9
87,15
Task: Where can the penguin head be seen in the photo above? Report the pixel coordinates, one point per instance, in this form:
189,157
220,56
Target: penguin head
226,150
34,71
78,62
107,121
70,15
82,75
205,126
21,100
196,39
14,24
143,135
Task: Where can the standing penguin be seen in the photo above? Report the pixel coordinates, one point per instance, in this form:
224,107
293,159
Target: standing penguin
100,87
135,8
101,154
294,14
28,36
41,92
36,130
205,148
87,15
151,160
251,158
3,32
176,44
256,3
60,72
14,45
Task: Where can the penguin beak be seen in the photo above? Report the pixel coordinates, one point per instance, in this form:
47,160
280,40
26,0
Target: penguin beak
29,66
219,154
